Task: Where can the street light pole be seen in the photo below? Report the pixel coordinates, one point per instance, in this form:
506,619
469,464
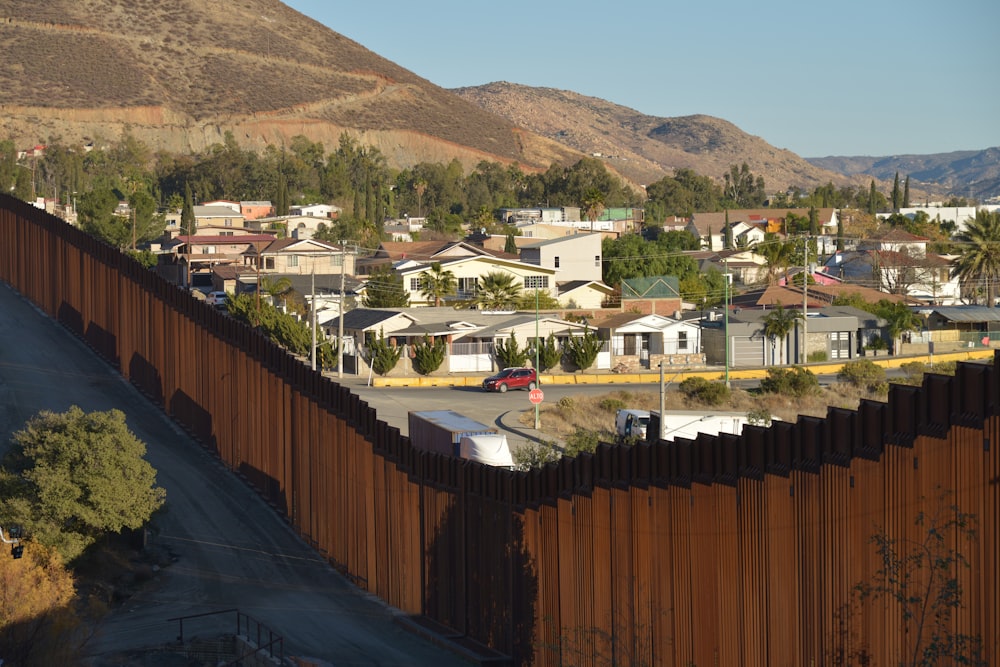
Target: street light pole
312,311
538,375
725,315
340,320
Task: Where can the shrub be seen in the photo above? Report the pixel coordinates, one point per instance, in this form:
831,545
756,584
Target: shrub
534,455
581,440
759,417
864,374
817,356
428,355
566,402
510,354
382,356
705,391
877,343
582,350
795,381
611,404
549,353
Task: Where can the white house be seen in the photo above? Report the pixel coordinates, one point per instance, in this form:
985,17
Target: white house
469,269
316,211
576,256
639,342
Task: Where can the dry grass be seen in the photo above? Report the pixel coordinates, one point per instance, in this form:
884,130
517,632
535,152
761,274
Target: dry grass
597,413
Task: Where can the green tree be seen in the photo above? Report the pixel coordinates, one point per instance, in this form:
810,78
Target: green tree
509,354
978,260
582,350
897,197
384,289
382,356
742,189
187,211
437,283
281,198
96,210
428,355
906,192
778,324
549,353
498,290
509,245
777,254
72,477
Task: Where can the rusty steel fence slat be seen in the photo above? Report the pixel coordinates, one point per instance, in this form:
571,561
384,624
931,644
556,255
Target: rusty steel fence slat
720,550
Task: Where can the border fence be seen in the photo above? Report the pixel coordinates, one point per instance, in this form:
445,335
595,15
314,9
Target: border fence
731,550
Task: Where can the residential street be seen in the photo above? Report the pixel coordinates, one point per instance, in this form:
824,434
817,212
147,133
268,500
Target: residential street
231,549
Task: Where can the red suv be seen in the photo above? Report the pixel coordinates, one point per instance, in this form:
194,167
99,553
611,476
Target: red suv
511,378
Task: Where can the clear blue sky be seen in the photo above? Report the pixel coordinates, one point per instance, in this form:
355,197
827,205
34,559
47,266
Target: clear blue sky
874,77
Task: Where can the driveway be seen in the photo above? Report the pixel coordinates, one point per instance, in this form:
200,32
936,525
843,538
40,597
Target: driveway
230,549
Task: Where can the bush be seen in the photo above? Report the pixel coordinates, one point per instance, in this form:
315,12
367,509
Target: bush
611,404
534,455
566,402
795,381
705,391
382,356
582,350
759,417
581,440
549,353
864,374
877,343
817,356
510,354
428,355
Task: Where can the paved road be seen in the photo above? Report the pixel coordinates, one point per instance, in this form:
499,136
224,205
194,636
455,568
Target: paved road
232,550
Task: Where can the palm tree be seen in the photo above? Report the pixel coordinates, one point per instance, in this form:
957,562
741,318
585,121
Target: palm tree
420,187
777,253
593,206
979,257
437,283
276,287
498,290
778,324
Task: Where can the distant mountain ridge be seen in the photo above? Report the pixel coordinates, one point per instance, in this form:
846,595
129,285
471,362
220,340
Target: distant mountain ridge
970,174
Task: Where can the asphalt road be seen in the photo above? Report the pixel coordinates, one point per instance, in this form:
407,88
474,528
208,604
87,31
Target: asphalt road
231,550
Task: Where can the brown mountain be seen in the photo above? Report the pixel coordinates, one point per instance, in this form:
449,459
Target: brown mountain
179,74
645,148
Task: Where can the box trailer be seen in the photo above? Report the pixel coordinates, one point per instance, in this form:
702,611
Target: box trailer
441,431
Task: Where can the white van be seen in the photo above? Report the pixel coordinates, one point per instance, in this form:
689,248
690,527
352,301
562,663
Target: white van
217,299
631,423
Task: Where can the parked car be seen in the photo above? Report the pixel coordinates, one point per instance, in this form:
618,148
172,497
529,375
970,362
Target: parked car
511,378
217,299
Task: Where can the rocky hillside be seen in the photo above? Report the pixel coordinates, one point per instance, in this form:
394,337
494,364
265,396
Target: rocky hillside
645,148
179,74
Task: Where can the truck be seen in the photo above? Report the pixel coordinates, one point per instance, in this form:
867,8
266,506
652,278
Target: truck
442,431
631,424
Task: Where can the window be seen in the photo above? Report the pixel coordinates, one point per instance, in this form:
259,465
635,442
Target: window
536,282
467,286
682,340
229,222
293,260
414,284
597,260
557,261
227,234
337,260
269,263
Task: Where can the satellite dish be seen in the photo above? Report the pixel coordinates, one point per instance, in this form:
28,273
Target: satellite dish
482,230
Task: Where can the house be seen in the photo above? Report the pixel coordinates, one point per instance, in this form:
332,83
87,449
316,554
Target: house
405,254
467,271
641,342
189,260
225,203
583,294
831,333
897,262
217,216
299,256
295,226
328,211
254,210
577,256
525,328
710,227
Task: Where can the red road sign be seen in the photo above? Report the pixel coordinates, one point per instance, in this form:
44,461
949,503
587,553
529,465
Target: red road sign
536,396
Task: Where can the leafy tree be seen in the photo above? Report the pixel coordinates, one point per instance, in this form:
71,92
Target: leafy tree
428,355
778,324
498,290
528,299
382,356
384,289
187,211
509,354
37,620
437,283
742,189
777,254
582,350
72,477
864,374
906,193
897,197
979,255
96,210
581,441
549,353
275,287
921,578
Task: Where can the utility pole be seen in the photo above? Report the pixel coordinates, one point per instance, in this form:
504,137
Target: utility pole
312,313
725,314
340,320
663,403
805,297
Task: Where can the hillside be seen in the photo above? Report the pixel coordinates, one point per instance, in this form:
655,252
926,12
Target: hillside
178,75
646,148
973,174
